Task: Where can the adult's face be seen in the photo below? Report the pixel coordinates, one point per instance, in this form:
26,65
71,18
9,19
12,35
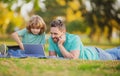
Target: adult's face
56,33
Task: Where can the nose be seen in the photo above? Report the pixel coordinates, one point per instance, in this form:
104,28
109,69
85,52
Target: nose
35,30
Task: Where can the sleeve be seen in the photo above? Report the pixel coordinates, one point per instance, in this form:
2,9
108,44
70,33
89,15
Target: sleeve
51,44
22,32
75,44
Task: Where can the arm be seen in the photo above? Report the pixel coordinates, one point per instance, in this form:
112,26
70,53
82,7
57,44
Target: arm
73,54
17,39
52,53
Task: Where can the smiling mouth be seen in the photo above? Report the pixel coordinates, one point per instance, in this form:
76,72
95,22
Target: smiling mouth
55,39
35,33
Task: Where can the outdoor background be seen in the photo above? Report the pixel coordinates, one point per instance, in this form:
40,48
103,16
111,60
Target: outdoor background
97,22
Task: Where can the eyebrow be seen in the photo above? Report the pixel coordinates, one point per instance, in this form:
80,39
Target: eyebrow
53,33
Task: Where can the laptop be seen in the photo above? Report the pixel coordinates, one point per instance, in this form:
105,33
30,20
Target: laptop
34,50
31,50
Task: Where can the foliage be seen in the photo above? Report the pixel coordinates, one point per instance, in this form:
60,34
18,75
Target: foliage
102,15
73,13
53,10
9,3
5,18
10,19
76,26
102,18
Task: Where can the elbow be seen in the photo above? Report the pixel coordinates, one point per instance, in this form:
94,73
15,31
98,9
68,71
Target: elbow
72,57
13,34
51,53
75,55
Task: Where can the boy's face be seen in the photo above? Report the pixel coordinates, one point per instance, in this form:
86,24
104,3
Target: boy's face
35,31
55,33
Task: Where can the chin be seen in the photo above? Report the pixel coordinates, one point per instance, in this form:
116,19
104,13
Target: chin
55,40
35,33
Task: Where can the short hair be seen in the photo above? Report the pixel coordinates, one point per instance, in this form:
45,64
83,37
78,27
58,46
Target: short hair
36,22
59,24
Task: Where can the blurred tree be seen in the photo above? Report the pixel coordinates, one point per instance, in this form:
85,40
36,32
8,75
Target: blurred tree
53,9
76,26
7,17
69,9
73,13
102,14
75,20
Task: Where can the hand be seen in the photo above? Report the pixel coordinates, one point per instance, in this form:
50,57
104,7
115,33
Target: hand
22,49
21,46
62,40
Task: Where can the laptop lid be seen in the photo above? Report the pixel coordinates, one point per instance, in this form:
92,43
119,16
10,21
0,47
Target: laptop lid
34,49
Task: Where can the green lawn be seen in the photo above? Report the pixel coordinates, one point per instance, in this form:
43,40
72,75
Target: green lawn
58,67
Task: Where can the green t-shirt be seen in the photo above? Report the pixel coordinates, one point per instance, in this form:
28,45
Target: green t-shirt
29,38
73,42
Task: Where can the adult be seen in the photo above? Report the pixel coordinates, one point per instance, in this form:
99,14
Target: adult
66,45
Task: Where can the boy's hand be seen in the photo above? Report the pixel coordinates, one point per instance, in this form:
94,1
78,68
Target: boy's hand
22,47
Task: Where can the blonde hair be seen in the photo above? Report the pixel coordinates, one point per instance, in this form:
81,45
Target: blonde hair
36,22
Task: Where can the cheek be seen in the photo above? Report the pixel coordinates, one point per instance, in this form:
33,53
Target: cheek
32,30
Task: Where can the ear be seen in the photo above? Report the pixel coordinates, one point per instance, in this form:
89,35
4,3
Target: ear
64,31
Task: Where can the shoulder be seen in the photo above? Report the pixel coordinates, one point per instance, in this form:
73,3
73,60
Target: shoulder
72,37
22,30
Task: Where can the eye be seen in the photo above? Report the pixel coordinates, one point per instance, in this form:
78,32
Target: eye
54,33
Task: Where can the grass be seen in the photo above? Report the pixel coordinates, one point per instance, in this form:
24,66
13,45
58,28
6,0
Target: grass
58,67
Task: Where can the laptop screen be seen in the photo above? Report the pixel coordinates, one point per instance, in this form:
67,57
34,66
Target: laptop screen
34,49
